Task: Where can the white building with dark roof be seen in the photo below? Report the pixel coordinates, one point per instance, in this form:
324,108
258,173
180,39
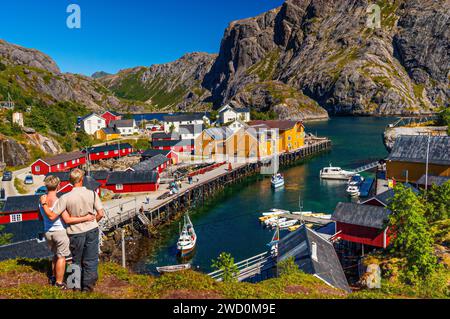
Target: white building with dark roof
229,114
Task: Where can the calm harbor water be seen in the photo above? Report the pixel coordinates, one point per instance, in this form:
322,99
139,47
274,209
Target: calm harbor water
229,223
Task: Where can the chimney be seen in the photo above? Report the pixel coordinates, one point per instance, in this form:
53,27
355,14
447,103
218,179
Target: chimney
314,252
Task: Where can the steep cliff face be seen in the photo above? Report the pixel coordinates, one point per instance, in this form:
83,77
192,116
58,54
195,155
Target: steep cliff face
170,86
29,75
12,152
324,49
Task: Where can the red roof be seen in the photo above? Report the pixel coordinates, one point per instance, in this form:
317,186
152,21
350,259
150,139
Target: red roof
281,125
62,158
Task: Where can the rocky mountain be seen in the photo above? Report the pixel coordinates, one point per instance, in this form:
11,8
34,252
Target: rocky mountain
326,51
170,86
29,76
99,74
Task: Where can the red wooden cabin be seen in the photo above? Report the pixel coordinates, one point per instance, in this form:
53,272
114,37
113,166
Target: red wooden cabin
58,163
178,146
362,224
158,163
111,116
148,154
109,151
20,209
132,182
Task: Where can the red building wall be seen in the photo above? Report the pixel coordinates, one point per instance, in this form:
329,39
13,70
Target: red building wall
110,117
133,188
40,168
362,235
70,165
5,218
110,154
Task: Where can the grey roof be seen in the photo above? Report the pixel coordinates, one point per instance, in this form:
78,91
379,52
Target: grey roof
361,215
191,129
21,204
99,175
110,130
151,153
122,123
218,134
184,117
31,249
151,164
163,135
385,197
243,110
414,149
327,265
128,177
172,143
433,180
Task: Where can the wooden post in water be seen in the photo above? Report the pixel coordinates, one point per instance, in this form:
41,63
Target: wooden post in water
124,260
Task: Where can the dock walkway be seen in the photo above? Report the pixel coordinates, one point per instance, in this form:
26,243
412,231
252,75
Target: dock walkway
308,219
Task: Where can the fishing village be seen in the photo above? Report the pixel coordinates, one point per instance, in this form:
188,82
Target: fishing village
194,159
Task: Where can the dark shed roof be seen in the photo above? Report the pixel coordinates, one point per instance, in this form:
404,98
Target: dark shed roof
99,175
63,176
31,249
151,153
361,215
151,164
191,129
109,148
414,149
162,135
21,204
122,123
172,143
326,266
128,177
433,180
386,197
90,183
62,158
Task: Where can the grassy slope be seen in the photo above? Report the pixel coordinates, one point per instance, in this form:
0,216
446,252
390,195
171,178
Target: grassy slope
26,279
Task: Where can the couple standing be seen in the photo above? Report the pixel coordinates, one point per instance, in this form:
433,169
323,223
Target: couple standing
71,229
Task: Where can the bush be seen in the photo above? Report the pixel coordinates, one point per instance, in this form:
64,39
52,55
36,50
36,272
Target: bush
287,267
2,67
225,262
4,238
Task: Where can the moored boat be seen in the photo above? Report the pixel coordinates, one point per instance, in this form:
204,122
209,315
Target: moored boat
188,238
170,269
336,173
353,191
294,228
277,181
356,180
287,224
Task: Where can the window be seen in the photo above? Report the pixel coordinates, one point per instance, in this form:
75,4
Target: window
106,153
116,152
16,218
37,169
58,166
119,187
73,162
289,138
65,163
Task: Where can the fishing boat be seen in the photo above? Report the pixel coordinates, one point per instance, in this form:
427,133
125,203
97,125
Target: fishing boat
170,269
335,173
294,228
353,191
188,238
277,181
356,180
287,224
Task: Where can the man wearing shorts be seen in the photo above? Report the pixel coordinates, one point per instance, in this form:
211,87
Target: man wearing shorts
56,234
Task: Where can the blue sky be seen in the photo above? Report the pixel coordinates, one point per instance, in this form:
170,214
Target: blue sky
118,34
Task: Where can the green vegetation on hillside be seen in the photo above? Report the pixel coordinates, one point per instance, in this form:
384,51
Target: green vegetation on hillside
4,238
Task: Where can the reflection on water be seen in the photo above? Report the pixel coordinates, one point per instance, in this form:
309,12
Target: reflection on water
231,223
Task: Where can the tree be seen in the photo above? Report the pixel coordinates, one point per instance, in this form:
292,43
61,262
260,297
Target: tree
4,238
225,262
412,239
438,203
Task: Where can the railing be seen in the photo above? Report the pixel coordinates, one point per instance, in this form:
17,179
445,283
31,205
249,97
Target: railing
248,267
366,167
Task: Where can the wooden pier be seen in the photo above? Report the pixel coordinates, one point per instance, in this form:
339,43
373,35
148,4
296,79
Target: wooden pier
158,212
308,219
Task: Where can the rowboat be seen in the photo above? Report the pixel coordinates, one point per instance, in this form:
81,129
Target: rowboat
276,211
263,219
271,220
170,269
287,224
277,222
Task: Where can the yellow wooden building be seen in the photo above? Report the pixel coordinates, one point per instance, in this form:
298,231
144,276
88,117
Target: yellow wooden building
107,134
408,159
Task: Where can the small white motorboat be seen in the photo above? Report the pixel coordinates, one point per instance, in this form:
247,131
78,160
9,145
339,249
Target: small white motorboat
287,224
356,180
276,211
176,268
269,221
353,191
336,173
277,222
277,181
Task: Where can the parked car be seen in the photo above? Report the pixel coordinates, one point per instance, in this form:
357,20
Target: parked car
7,176
41,191
29,180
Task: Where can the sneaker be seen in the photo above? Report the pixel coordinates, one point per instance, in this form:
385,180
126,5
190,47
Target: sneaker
61,286
52,281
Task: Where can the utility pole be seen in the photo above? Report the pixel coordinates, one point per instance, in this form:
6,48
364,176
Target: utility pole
427,165
124,260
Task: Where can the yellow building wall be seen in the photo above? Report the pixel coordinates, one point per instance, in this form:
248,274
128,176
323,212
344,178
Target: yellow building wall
292,139
397,171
